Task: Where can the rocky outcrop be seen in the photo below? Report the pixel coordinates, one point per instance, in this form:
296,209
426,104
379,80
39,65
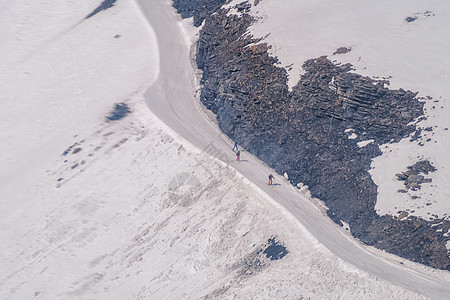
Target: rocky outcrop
121,110
304,132
342,50
413,178
198,9
103,6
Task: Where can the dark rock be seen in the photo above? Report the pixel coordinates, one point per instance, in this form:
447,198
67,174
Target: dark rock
243,7
401,176
121,110
199,9
412,177
423,166
342,50
275,250
103,6
417,135
301,132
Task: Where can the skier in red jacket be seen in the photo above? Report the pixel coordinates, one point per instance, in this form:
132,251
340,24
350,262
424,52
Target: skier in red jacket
270,179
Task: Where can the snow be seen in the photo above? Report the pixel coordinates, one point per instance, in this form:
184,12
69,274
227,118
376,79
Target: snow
352,136
140,212
62,79
131,233
173,105
364,143
411,55
346,226
432,201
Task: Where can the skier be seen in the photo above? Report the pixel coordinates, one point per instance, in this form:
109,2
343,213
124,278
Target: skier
235,147
238,154
270,179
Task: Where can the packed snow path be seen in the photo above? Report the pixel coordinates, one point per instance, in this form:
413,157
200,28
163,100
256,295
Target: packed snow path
172,99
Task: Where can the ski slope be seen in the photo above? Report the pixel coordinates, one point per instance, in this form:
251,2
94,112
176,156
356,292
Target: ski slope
129,209
172,99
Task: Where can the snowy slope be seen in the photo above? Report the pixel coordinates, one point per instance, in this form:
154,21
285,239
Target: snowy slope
383,45
61,75
169,98
154,218
128,209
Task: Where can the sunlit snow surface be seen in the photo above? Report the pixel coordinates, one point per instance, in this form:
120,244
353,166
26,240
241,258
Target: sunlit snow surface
126,209
384,45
